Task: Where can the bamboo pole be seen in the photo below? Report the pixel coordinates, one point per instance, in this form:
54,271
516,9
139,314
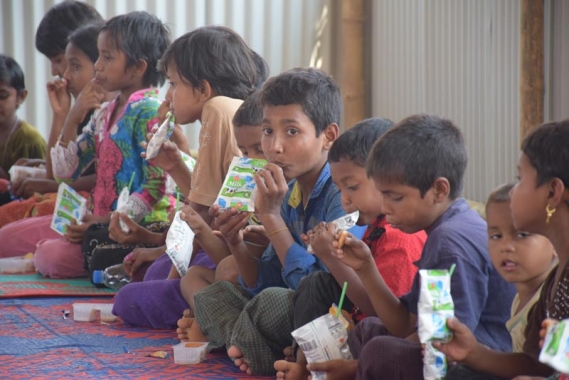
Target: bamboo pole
532,85
352,61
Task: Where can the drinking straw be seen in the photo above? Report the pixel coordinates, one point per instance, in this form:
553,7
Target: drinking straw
131,181
342,296
178,201
451,269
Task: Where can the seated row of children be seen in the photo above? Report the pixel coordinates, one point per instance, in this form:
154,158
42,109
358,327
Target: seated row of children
252,281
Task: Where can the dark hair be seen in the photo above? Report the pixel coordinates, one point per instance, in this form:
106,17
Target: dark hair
262,69
85,39
501,194
355,144
312,89
215,54
11,73
417,151
249,113
140,35
547,148
58,23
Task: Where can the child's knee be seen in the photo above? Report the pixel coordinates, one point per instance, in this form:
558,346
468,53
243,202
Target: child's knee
227,270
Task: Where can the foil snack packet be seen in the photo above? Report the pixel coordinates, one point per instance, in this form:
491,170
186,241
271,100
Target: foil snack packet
555,350
162,134
179,244
343,223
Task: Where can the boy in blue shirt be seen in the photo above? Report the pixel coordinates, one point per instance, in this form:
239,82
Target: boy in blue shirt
301,112
418,166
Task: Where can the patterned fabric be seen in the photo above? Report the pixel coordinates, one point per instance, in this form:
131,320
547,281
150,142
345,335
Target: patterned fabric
117,150
325,205
260,327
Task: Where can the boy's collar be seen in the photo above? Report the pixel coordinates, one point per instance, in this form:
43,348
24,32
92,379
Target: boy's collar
459,205
295,198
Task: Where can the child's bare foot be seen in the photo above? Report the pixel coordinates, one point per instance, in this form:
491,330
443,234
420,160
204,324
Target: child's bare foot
188,329
289,354
237,356
289,370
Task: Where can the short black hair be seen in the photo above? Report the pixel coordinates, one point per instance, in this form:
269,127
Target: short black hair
58,23
417,151
215,54
501,194
249,113
312,89
140,35
262,69
355,144
547,148
11,73
85,39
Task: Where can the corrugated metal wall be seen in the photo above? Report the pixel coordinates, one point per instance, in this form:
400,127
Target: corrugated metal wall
557,59
284,32
458,59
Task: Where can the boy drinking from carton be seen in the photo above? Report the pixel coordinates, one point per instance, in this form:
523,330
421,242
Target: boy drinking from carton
394,251
418,166
301,111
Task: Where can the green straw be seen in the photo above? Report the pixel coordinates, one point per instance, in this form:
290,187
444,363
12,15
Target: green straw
341,299
178,201
451,270
131,181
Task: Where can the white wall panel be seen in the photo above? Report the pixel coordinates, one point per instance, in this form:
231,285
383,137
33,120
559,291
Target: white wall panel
457,59
284,32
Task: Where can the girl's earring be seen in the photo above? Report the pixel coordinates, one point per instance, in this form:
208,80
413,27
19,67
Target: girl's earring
549,212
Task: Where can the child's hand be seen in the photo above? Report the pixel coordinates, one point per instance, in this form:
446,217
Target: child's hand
256,235
321,239
229,224
354,252
139,256
169,156
162,111
74,232
90,98
271,190
336,369
59,97
546,324
136,234
194,220
462,344
28,186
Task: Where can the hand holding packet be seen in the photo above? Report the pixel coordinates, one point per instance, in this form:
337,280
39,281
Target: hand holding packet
190,163
343,223
179,244
162,134
239,188
555,348
69,205
434,363
324,339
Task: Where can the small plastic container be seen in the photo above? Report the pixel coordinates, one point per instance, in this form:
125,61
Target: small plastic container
13,265
83,312
87,312
189,352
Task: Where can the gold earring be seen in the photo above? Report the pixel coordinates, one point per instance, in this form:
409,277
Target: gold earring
549,212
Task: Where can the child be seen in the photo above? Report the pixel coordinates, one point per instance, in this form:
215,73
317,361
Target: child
394,252
248,133
210,70
18,139
56,26
301,111
418,166
540,205
129,48
523,259
82,53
